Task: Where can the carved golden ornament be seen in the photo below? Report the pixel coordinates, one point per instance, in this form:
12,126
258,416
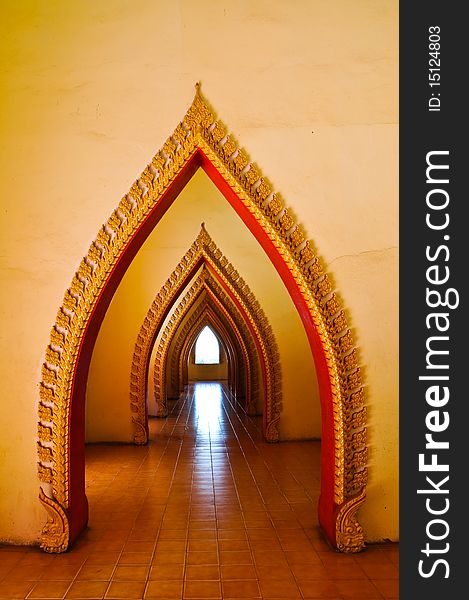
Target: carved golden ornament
349,534
44,433
46,395
339,323
57,338
306,254
44,473
357,459
274,206
356,400
350,361
93,272
358,440
45,412
356,480
45,453
354,379
52,356
203,248
332,306
296,238
55,534
357,419
49,376
345,343
286,220
263,190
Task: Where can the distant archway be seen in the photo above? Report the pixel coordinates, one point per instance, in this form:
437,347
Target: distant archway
218,311
219,277
204,315
184,338
247,373
200,141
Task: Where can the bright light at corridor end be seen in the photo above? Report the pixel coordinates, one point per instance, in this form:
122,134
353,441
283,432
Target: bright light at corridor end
207,348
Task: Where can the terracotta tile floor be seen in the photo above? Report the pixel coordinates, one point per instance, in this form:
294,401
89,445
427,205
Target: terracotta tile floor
206,510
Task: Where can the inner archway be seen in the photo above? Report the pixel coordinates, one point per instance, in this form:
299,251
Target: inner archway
204,269
200,141
242,371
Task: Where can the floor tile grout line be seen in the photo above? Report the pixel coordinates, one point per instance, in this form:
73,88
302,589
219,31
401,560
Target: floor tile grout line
274,479
256,448
188,407
255,480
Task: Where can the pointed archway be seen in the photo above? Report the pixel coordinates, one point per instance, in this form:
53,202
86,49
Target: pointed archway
245,386
200,141
219,277
181,339
219,310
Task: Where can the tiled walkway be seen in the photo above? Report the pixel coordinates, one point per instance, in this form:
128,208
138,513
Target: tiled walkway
206,510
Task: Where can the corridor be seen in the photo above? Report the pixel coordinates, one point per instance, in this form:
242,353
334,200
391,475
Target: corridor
205,510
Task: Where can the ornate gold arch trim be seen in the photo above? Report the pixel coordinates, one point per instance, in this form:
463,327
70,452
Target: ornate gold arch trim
204,249
56,531
201,132
225,340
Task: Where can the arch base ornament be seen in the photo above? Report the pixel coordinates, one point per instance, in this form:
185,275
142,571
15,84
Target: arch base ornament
56,532
349,534
141,433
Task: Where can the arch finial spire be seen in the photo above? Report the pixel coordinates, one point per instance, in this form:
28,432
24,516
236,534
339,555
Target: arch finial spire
204,237
199,116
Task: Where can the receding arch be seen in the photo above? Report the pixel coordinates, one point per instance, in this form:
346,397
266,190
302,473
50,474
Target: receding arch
228,313
247,347
204,317
220,275
179,338
219,312
211,348
183,337
200,141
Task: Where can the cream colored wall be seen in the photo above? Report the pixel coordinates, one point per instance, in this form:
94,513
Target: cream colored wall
92,89
108,415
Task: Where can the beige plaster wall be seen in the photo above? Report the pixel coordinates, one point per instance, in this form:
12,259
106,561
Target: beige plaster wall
90,90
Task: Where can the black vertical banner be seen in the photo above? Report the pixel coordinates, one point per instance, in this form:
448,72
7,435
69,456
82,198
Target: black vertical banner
434,358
